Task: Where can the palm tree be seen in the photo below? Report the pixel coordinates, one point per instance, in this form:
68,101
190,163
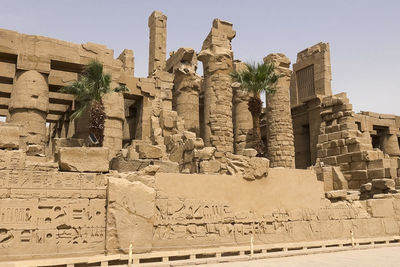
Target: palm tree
92,84
257,78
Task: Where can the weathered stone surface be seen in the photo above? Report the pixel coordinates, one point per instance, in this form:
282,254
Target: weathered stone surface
158,42
380,207
210,167
339,181
249,152
147,151
29,105
336,194
183,63
205,153
366,187
34,150
258,167
9,136
216,55
131,211
127,165
83,159
168,119
247,168
280,141
383,184
242,119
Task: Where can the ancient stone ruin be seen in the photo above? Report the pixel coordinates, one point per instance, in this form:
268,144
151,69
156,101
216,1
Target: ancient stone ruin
177,169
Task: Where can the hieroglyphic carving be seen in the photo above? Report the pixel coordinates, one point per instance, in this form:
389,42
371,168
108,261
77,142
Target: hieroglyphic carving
25,183
305,82
44,212
51,222
190,219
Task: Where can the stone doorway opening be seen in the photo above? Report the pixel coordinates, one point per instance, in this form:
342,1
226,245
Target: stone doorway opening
133,106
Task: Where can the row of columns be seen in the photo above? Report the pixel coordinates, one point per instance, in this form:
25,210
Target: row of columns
227,121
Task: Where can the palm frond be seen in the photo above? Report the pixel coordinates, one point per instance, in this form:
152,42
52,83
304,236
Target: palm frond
257,78
78,113
121,89
92,84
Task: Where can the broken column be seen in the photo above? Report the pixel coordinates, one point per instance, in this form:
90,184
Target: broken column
29,105
163,119
158,42
217,56
242,119
280,137
183,63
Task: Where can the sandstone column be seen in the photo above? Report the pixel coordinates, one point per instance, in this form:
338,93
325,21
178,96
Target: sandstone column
158,42
390,145
242,119
30,104
280,138
183,64
217,55
115,115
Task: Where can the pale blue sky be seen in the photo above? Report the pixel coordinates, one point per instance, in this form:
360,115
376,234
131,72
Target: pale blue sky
364,35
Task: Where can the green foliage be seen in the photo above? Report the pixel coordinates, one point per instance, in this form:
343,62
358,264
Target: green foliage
91,86
257,78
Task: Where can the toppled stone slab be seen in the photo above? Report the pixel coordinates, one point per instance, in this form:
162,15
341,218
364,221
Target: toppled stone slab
210,167
83,159
383,184
205,153
9,137
336,194
366,187
127,165
249,152
249,168
34,150
147,151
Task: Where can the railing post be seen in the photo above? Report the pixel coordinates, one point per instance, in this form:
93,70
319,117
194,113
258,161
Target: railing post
251,246
130,261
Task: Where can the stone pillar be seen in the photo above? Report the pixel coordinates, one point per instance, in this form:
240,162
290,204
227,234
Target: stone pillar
280,138
242,119
217,56
183,63
158,42
29,105
128,61
390,145
115,115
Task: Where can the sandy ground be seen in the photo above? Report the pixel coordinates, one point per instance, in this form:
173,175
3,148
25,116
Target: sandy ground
377,257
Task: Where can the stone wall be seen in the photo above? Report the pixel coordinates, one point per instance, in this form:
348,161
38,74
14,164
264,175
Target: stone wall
52,64
342,144
384,130
287,206
46,213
